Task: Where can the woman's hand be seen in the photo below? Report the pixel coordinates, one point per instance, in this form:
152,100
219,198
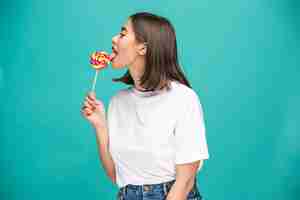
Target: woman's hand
94,111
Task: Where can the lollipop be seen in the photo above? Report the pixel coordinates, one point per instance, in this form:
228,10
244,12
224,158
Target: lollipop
99,60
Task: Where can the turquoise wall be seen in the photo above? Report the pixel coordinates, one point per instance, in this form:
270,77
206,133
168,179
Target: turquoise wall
242,57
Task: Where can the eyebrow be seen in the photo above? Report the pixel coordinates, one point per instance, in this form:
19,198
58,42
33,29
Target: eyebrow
123,29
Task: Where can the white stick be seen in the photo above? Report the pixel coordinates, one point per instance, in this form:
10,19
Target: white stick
95,80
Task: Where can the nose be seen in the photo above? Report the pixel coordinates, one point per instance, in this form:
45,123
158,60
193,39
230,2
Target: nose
114,39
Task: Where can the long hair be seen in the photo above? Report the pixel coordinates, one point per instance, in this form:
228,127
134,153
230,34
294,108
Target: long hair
161,59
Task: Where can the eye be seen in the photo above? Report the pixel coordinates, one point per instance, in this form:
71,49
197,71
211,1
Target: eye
122,34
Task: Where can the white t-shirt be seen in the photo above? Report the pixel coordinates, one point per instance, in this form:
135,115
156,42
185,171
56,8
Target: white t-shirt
150,132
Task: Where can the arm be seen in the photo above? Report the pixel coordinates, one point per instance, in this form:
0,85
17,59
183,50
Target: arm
94,111
105,156
185,178
190,146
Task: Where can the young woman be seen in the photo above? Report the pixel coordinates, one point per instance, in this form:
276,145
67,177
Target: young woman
152,141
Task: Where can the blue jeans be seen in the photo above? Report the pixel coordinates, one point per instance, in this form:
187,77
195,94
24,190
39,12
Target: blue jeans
153,192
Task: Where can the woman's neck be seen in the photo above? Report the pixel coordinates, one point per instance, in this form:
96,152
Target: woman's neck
136,71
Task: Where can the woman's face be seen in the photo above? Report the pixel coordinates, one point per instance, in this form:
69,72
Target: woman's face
124,46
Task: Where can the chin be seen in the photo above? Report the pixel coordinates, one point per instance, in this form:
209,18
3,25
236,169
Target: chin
117,65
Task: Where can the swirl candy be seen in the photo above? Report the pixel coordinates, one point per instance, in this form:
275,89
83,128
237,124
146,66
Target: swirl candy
100,59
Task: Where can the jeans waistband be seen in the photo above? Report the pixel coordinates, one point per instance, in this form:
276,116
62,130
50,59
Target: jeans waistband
148,187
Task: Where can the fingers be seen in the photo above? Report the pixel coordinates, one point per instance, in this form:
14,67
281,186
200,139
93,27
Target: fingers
86,111
90,103
90,100
92,95
89,106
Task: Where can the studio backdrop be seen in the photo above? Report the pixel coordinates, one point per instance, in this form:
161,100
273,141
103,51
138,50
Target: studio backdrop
242,58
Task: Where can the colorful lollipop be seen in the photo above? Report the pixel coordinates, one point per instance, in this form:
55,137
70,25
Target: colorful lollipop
99,60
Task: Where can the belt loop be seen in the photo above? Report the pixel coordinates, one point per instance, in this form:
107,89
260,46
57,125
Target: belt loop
165,188
125,190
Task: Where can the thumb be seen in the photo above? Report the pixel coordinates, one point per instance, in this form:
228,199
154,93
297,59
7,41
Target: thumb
97,102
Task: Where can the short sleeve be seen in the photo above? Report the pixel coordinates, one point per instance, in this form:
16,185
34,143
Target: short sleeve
190,138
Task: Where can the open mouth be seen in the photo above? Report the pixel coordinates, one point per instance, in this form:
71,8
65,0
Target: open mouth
114,53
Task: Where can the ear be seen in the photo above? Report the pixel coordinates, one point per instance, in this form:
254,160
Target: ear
142,49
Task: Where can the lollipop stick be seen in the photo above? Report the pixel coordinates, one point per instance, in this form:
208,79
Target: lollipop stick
95,80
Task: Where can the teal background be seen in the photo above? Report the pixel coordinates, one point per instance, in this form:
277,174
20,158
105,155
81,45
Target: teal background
242,58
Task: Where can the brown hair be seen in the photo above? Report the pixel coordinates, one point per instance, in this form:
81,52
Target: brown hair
161,60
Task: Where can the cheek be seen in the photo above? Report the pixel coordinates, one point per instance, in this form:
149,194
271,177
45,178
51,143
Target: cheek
127,52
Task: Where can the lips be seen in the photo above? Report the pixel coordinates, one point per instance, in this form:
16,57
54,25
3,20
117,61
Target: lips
114,53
